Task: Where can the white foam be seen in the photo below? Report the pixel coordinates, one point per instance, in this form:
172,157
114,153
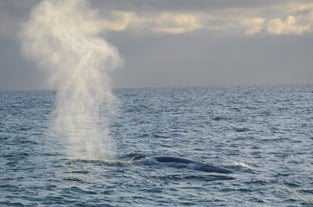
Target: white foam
240,165
149,161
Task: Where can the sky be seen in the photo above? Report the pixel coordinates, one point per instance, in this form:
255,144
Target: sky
181,43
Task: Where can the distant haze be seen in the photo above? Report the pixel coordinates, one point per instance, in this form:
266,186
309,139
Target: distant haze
181,42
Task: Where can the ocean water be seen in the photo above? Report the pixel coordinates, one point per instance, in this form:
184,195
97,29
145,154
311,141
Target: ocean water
263,133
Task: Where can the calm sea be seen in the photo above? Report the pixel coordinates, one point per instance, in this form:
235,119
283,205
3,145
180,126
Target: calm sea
263,133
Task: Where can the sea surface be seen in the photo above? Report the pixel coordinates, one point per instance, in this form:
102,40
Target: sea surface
262,133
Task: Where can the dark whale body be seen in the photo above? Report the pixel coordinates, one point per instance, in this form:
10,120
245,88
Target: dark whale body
185,163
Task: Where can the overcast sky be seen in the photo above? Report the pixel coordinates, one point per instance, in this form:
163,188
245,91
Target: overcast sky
182,42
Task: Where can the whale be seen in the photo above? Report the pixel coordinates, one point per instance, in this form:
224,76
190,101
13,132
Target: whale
179,162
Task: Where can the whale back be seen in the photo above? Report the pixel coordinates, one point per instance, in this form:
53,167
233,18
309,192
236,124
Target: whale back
190,164
173,159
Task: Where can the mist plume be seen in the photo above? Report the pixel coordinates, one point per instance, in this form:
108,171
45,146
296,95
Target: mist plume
65,39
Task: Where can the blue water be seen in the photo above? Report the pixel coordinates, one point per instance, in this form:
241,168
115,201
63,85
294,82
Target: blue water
263,133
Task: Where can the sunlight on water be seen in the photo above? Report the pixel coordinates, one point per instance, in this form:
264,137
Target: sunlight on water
63,37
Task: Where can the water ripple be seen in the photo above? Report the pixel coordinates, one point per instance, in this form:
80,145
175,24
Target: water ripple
262,133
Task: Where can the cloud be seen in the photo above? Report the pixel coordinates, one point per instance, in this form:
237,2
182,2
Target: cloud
289,19
283,19
8,25
288,26
177,23
170,23
254,25
276,26
243,17
12,13
121,20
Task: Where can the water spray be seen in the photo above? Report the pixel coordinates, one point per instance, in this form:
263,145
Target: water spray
64,39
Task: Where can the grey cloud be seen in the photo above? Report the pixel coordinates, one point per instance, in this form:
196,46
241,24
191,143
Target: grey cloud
183,5
16,73
17,7
196,59
155,59
293,18
12,14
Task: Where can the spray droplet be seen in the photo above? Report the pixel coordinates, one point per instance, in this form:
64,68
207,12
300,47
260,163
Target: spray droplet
63,37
